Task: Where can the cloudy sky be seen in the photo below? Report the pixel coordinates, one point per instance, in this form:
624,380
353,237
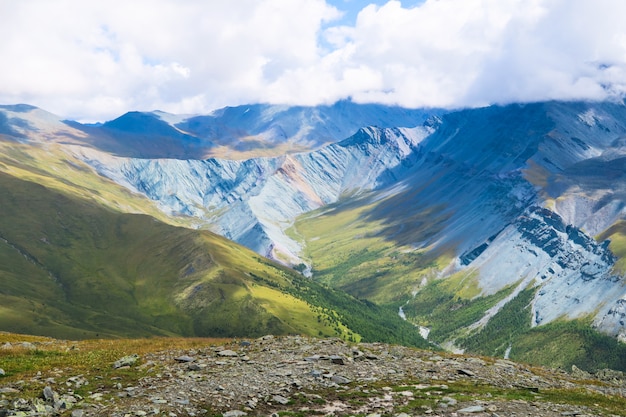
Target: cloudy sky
94,60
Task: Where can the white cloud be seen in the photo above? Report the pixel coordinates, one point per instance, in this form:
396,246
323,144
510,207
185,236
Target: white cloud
475,52
97,59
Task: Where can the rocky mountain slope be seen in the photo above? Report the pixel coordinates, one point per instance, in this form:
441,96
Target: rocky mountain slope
287,376
528,156
254,201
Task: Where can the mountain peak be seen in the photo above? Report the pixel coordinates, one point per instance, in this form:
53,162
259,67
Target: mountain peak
136,122
18,108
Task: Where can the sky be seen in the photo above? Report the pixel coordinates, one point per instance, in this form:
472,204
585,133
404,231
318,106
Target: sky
95,60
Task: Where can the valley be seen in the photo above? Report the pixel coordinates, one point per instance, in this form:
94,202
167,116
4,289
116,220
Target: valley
499,229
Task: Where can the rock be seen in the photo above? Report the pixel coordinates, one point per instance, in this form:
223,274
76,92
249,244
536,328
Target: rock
505,363
609,375
227,353
2,373
338,379
579,373
234,413
49,395
472,409
280,399
448,400
8,390
78,413
77,381
184,359
65,402
476,361
126,361
159,400
466,372
337,360
194,367
97,396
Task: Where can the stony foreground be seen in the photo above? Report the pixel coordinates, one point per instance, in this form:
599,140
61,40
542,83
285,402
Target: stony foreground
299,376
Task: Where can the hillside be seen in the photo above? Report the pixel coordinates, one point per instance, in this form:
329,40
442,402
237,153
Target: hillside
292,375
74,269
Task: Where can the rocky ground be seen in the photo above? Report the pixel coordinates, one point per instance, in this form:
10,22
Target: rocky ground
298,376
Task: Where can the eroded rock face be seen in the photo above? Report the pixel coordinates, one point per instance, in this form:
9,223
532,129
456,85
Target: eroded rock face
614,320
253,201
574,273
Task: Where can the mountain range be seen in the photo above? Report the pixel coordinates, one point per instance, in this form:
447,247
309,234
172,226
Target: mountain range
498,230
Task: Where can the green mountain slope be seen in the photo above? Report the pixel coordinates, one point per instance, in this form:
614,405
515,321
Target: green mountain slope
72,268
348,250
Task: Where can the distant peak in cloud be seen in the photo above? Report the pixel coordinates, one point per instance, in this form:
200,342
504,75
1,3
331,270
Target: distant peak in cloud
95,60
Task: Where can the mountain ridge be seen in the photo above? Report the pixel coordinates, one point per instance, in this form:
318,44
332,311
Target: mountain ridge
456,222
243,131
251,188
